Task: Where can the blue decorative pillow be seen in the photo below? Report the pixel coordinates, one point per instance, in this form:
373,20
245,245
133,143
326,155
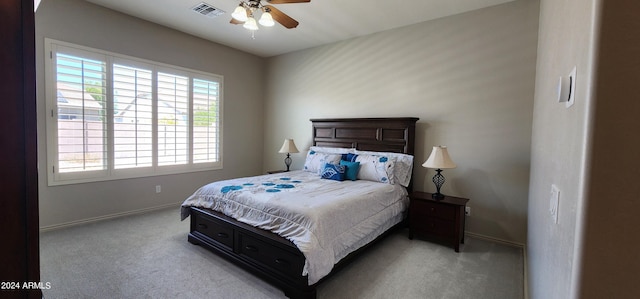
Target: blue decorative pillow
351,173
349,157
333,172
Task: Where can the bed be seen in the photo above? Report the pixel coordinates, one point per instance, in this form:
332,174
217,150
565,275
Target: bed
271,224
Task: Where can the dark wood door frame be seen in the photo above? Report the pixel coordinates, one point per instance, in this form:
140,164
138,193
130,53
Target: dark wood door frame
19,253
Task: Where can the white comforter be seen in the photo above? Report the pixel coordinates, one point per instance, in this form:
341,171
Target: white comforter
325,219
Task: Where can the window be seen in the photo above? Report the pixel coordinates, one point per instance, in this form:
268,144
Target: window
81,124
132,117
114,117
205,121
173,101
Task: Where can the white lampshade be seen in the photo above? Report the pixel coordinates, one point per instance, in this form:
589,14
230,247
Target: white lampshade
266,20
240,14
288,147
251,24
439,158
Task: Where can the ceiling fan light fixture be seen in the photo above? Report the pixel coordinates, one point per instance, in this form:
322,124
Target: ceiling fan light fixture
240,14
269,15
266,19
251,24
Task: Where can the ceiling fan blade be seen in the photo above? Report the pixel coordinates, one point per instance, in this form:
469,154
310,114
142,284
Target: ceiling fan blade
282,18
287,1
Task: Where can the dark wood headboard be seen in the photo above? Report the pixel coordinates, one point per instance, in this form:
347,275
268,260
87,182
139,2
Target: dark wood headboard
395,134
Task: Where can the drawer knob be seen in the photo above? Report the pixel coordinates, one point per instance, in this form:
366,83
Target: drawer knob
203,226
251,248
433,209
223,235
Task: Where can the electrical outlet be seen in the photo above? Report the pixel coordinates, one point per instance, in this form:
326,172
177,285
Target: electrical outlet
158,189
467,211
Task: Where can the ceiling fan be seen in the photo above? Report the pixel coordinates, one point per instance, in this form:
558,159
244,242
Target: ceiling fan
244,14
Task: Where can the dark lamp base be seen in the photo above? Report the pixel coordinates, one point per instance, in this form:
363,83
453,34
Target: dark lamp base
438,180
287,161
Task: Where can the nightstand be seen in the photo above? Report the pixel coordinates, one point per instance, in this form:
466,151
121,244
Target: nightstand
442,219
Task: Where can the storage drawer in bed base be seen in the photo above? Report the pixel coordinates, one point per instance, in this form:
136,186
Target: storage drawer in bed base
280,264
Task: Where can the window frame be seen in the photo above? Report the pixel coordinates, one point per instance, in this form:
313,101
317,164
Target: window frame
53,47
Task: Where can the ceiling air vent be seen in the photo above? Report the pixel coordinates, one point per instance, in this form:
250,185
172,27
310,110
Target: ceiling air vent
208,10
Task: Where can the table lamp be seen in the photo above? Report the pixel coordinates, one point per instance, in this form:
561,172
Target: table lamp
439,159
288,147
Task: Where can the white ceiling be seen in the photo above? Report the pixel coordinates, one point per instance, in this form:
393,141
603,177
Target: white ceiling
321,21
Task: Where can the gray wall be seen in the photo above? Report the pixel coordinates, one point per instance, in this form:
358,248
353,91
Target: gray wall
589,151
89,25
469,78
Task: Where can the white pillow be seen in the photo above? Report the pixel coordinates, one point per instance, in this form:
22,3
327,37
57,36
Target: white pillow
377,168
315,161
403,165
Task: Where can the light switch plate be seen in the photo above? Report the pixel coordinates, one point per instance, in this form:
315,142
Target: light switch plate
554,202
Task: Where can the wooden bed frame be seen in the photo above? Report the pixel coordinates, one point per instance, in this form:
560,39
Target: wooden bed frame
272,257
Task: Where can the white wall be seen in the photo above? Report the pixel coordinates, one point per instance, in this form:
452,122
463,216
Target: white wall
559,144
470,80
589,151
89,25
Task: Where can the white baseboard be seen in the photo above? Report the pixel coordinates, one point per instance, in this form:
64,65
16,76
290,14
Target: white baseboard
514,244
494,239
106,217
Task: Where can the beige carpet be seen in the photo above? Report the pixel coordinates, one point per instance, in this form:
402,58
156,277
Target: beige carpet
148,256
